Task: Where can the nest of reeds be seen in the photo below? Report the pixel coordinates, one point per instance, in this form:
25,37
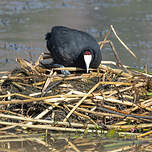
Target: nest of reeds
33,96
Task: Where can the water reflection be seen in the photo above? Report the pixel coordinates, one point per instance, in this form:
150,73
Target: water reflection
25,22
68,143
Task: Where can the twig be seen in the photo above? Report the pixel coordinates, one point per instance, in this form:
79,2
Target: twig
123,43
48,127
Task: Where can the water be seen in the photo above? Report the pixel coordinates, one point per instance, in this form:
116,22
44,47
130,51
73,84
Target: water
57,143
23,25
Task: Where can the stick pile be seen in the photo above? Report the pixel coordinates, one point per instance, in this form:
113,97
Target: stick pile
107,98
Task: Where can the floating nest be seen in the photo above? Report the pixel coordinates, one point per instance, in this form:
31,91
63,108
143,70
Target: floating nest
36,97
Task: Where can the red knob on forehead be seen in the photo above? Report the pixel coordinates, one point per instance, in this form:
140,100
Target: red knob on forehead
87,53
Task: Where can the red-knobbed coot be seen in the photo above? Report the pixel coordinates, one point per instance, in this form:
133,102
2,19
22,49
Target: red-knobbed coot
71,47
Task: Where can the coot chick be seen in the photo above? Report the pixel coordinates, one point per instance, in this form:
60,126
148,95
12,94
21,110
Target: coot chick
73,48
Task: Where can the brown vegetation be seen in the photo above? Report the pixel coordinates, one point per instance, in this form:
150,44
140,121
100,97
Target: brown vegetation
106,98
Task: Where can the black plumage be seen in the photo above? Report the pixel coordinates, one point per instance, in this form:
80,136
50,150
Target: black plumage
68,46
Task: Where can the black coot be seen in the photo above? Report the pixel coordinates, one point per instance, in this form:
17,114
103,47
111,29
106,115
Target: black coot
71,47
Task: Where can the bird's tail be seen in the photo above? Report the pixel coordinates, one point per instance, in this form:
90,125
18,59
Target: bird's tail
47,36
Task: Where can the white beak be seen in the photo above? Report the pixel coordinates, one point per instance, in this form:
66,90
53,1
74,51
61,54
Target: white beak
87,59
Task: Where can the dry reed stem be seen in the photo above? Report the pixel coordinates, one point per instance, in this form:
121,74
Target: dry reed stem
48,80
16,94
72,145
72,69
144,134
123,43
26,64
40,58
47,121
105,39
40,99
123,102
102,114
16,140
116,71
41,127
139,126
7,128
140,84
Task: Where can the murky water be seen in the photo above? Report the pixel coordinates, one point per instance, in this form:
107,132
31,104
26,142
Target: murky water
23,24
58,143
